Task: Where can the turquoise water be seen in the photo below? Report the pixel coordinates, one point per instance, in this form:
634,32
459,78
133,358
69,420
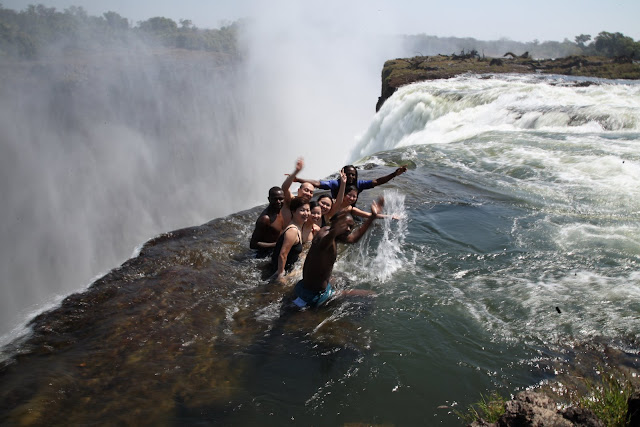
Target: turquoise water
516,253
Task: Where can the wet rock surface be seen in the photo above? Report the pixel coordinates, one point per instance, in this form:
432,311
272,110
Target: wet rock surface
529,408
177,334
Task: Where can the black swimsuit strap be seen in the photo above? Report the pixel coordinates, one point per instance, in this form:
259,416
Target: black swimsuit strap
299,233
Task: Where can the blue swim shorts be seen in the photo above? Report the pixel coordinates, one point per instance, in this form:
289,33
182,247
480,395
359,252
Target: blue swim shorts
311,298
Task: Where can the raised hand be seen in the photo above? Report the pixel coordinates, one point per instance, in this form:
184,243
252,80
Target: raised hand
377,205
299,164
401,170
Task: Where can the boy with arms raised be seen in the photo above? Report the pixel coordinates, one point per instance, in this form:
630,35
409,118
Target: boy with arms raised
314,289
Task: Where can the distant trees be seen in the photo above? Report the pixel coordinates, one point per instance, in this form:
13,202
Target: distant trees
115,21
616,45
582,39
433,45
187,36
604,44
26,33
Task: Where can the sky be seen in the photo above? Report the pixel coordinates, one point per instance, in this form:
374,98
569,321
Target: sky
543,20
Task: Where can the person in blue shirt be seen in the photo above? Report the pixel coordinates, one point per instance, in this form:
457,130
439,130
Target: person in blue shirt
352,179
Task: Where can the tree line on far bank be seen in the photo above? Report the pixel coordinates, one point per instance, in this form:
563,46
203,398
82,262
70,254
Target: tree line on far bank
611,45
26,34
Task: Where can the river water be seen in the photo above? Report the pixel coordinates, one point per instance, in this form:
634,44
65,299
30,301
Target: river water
516,254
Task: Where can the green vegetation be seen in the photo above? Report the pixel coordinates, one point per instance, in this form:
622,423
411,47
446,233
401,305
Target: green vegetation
609,45
614,45
489,409
26,34
608,399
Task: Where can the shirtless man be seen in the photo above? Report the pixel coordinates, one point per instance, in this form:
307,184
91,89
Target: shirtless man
352,179
314,289
305,192
269,224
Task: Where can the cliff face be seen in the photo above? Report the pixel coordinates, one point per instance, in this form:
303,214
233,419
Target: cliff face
402,71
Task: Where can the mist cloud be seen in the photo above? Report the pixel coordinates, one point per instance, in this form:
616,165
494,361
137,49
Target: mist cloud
104,150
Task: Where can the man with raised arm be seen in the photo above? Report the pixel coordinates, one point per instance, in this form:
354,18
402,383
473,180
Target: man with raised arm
314,289
352,179
269,224
305,192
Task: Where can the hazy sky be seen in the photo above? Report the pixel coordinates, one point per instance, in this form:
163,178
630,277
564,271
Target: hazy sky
483,20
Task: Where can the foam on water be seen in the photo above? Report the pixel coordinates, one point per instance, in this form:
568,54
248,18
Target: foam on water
378,258
443,111
540,169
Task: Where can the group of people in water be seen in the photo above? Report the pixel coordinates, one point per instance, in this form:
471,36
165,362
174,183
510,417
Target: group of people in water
289,222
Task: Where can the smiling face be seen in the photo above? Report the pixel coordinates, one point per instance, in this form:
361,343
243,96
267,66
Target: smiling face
351,174
316,215
325,204
302,213
351,197
305,191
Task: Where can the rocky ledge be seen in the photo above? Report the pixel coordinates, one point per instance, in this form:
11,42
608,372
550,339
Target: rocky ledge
402,71
529,408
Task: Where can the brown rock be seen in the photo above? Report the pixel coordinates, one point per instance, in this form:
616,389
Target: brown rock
582,417
532,409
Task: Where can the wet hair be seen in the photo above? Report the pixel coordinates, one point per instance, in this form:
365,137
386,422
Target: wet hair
325,196
349,188
295,204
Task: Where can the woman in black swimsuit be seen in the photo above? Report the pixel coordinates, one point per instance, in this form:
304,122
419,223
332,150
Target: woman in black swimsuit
289,244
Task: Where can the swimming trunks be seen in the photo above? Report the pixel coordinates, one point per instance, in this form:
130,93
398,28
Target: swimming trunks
311,298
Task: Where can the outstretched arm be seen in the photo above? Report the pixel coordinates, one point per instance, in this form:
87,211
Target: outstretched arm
314,182
286,185
364,214
337,203
385,179
376,208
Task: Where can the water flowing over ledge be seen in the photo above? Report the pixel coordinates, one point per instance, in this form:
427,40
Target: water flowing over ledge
403,71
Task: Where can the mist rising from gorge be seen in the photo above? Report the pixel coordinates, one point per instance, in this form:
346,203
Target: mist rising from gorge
100,151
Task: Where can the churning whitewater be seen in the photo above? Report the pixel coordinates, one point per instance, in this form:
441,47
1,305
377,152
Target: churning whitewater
547,171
